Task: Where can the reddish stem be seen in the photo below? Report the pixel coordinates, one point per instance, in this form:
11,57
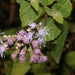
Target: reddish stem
45,19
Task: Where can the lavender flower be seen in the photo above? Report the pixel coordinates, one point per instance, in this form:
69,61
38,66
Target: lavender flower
33,25
34,58
22,53
35,44
10,41
19,37
40,23
43,59
2,49
1,41
37,51
41,41
29,35
22,32
26,40
18,44
22,59
43,32
14,55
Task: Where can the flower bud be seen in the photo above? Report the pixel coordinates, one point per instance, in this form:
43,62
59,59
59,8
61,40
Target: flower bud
35,44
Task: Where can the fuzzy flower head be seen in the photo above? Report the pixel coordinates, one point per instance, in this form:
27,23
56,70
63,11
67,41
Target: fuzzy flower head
43,32
2,49
34,58
41,41
14,55
19,37
35,44
22,59
22,53
10,41
32,25
26,40
22,32
30,35
37,51
40,23
43,59
1,41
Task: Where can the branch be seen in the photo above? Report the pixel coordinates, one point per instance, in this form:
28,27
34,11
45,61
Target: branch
45,19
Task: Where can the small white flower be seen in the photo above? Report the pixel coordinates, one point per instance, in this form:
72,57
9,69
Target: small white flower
2,49
40,23
1,41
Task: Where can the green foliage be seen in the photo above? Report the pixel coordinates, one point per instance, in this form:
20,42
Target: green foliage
20,68
28,14
57,29
52,30
35,4
20,1
70,59
47,2
55,14
72,27
57,50
8,52
64,6
8,65
65,70
11,31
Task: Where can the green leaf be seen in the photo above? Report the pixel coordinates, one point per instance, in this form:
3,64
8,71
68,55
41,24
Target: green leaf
9,68
65,70
55,14
57,50
70,59
20,68
20,1
72,25
58,17
8,52
35,4
47,2
52,30
10,31
64,6
28,14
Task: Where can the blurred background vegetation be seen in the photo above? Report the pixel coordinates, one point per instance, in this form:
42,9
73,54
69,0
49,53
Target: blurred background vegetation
10,24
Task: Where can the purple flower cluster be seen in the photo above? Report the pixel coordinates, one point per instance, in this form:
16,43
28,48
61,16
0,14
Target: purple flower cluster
24,36
10,41
38,56
22,55
29,40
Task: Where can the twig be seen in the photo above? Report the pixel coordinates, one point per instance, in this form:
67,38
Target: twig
12,10
45,19
73,4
